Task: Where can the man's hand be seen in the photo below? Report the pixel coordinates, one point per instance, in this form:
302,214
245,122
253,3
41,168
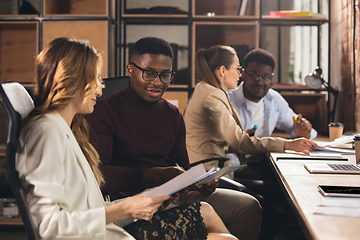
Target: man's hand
208,188
156,176
251,132
302,127
300,145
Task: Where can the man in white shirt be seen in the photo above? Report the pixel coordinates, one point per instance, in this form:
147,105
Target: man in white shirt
258,104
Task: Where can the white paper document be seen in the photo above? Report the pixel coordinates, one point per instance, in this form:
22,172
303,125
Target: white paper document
325,154
349,202
191,176
337,142
339,211
330,149
338,206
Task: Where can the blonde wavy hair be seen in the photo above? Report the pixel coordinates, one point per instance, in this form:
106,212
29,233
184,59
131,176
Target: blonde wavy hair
64,67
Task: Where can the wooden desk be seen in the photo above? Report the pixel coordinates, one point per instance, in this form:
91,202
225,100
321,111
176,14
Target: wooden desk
301,191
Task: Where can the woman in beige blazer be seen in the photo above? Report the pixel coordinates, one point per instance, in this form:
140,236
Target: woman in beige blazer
58,167
213,128
212,125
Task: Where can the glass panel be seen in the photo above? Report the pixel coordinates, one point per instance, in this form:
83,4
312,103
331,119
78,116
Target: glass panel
242,37
20,7
298,54
225,7
157,7
88,7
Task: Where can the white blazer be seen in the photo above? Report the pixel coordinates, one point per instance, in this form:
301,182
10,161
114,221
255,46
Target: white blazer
59,186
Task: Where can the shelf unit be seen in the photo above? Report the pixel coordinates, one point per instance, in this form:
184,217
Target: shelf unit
23,36
206,22
211,22
107,24
112,26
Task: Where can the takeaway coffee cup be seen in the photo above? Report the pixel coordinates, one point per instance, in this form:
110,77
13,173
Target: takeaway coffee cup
335,130
357,148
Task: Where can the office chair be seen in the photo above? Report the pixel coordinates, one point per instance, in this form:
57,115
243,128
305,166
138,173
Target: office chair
114,85
17,104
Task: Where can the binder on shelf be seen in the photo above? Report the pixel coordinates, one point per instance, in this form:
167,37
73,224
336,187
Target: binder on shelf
239,9
242,9
292,13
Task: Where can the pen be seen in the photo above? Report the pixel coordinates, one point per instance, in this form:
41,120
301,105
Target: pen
255,128
297,119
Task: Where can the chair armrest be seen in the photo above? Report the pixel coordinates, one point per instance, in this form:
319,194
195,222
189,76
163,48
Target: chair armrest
221,160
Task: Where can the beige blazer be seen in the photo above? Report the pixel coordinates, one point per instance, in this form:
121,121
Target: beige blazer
59,187
211,129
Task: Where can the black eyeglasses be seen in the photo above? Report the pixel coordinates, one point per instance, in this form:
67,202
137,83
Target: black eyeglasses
238,69
254,77
150,75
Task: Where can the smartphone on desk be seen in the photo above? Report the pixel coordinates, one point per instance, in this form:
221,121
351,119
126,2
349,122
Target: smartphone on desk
339,191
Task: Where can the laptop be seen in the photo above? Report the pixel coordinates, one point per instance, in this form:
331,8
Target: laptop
343,168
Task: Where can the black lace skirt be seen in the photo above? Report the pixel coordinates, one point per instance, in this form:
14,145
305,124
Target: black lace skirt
182,222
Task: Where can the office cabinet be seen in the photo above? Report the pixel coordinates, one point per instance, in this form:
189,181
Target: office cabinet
78,7
242,24
187,24
23,36
18,49
82,30
211,22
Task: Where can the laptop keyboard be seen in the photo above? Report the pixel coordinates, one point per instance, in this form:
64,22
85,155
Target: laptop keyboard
344,167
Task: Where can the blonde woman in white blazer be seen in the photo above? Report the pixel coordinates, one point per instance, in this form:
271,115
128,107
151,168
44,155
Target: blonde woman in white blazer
58,167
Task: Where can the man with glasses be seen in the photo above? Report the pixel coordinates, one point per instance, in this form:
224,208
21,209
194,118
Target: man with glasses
258,104
140,138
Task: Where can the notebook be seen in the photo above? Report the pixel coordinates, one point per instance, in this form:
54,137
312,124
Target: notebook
332,168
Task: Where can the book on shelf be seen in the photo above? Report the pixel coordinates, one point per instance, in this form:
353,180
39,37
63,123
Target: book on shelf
293,13
194,175
242,7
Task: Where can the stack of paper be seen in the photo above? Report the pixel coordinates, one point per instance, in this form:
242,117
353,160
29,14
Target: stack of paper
337,142
327,149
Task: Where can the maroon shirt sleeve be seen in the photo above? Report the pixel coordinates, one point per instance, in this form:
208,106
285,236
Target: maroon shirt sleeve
102,130
179,153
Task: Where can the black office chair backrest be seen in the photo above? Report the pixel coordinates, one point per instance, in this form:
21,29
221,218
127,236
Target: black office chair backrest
17,104
114,85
